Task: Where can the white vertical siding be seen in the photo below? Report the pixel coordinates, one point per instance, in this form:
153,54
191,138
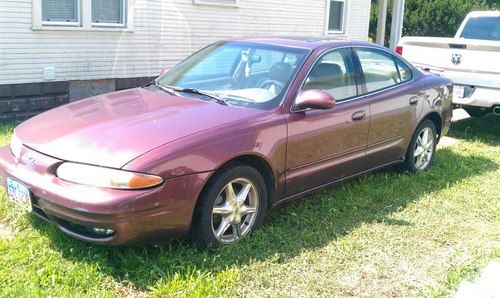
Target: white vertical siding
358,19
165,31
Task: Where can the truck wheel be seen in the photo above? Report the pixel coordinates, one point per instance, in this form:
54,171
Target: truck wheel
477,112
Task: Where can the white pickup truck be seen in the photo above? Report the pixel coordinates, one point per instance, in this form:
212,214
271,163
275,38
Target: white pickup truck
471,60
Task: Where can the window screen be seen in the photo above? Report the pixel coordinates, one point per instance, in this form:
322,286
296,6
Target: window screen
60,10
107,11
379,69
336,15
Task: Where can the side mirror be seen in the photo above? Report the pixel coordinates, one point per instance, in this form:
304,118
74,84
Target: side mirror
164,70
314,99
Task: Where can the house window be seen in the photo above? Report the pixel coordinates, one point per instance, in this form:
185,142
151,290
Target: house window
108,12
98,15
63,12
233,3
336,16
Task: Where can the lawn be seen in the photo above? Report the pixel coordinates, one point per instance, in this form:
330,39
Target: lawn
386,233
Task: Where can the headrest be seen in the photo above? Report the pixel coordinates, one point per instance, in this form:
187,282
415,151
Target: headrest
325,72
280,71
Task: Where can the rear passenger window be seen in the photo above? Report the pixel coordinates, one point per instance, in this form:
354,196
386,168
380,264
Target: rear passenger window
404,71
334,74
379,69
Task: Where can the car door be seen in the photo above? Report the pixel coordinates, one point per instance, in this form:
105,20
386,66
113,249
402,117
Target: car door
327,145
394,105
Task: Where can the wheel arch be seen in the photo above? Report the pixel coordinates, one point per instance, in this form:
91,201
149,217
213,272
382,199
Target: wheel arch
437,120
256,161
438,123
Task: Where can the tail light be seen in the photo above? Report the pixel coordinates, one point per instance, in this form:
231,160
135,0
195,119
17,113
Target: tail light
399,50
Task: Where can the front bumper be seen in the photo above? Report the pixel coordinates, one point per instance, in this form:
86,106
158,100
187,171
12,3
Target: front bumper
135,216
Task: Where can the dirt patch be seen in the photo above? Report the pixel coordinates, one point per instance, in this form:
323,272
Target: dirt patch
6,233
447,141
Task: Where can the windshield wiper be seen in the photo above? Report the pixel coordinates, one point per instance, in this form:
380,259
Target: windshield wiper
172,90
217,98
169,90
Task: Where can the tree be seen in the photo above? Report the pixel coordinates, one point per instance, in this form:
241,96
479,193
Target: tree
431,17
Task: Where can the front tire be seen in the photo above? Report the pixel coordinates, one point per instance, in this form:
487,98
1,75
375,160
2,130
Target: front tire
231,206
422,147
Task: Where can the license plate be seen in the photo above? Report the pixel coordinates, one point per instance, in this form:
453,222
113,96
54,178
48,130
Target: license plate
19,193
458,91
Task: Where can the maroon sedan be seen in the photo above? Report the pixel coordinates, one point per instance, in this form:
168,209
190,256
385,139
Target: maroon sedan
240,126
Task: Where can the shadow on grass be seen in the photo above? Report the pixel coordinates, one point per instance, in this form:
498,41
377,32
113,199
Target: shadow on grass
485,129
304,225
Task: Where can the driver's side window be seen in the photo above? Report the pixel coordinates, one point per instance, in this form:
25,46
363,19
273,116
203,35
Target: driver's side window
334,73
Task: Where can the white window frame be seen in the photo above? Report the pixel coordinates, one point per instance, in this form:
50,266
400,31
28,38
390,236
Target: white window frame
214,3
342,21
84,17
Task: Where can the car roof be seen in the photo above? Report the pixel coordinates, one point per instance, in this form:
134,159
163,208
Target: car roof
304,42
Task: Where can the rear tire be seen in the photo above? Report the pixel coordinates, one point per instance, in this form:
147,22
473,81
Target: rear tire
477,112
232,205
422,147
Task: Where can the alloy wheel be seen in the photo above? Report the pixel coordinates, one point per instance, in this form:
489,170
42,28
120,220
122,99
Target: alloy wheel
235,210
424,148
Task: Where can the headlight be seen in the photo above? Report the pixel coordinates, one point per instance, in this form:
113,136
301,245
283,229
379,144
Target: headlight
105,177
15,145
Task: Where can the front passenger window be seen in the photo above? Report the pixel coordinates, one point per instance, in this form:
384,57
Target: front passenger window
334,74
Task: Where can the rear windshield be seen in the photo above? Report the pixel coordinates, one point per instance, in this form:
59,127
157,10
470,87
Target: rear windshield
486,28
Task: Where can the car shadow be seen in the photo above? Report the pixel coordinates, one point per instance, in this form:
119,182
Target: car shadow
485,129
307,224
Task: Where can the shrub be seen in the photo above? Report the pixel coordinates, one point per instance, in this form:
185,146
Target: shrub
431,17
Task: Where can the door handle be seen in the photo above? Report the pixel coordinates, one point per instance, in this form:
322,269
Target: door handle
357,116
414,100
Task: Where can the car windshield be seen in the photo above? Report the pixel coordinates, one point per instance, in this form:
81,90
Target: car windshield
242,74
486,28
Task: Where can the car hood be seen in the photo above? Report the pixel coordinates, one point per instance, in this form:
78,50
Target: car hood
112,129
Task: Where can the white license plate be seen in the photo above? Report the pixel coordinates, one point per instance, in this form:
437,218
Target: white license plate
458,91
19,193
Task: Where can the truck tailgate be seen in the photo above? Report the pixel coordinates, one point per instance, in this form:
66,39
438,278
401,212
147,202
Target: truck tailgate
464,61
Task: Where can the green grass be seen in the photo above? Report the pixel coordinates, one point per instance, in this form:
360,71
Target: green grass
383,234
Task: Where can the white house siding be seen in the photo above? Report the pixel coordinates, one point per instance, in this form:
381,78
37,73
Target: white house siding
358,19
164,32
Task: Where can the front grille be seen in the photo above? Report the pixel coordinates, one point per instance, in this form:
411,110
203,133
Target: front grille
79,229
39,212
82,230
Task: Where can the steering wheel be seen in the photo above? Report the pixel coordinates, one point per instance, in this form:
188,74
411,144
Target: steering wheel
267,84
